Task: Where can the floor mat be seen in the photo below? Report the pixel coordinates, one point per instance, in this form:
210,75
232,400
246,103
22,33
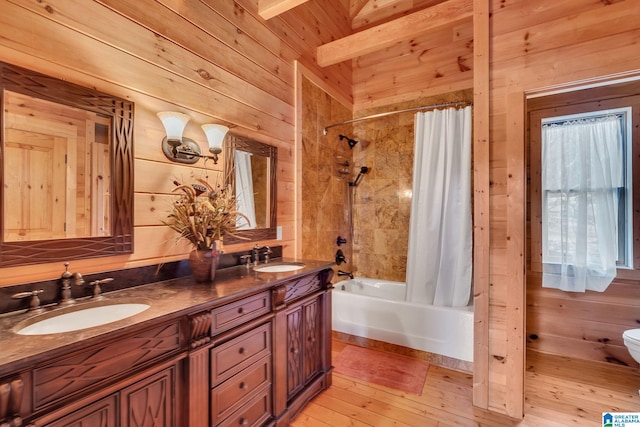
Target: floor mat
387,369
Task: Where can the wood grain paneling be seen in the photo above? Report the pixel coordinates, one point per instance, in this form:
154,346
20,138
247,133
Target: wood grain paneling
219,62
525,61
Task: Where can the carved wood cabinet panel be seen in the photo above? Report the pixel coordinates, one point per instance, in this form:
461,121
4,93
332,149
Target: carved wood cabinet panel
149,402
303,344
100,414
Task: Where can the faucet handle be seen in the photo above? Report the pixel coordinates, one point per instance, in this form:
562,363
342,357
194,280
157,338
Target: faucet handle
245,259
267,252
97,290
34,302
66,274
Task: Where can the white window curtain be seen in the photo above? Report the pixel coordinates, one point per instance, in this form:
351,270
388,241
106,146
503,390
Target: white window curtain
582,170
439,264
245,203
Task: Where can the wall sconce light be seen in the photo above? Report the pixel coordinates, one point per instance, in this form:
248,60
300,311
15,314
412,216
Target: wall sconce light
185,150
215,136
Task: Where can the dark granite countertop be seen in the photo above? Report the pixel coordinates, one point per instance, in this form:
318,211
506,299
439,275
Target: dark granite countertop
167,299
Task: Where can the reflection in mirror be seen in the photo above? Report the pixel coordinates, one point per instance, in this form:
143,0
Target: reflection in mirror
67,170
251,171
59,186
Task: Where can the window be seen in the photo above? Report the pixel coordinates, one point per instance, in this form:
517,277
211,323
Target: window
573,177
613,150
583,165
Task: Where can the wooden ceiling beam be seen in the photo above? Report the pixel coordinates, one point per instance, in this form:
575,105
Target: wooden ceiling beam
385,35
268,9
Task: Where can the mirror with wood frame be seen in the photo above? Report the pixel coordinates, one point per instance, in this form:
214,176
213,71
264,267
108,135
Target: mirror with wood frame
250,168
67,170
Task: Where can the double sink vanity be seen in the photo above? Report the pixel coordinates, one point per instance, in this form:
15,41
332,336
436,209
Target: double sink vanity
249,349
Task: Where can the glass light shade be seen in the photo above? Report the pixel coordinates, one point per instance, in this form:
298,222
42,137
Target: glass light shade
174,124
215,136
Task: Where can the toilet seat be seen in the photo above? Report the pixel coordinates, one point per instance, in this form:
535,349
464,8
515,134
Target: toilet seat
632,335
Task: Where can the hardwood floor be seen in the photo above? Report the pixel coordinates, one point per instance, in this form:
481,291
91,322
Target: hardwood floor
559,392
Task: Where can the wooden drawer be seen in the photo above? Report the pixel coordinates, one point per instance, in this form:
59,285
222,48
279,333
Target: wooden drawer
253,413
232,394
235,355
239,312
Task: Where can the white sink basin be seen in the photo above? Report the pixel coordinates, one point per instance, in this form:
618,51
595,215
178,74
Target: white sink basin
82,318
279,268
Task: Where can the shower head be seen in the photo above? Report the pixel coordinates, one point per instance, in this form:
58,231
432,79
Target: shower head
351,142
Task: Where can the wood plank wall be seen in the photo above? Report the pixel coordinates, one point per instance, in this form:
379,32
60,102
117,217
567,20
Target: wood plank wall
535,45
217,61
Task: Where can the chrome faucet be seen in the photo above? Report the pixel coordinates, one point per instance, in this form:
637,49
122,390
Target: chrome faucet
67,278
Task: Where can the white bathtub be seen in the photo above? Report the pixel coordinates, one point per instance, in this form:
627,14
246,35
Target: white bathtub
376,309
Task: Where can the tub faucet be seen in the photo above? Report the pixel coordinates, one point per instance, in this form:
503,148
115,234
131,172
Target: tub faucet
66,279
345,273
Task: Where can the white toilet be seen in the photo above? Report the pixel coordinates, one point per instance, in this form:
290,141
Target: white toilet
631,339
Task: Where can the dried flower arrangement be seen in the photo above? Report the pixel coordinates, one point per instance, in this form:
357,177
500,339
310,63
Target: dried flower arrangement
203,214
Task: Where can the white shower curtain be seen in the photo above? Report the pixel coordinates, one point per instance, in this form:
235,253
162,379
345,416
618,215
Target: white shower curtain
439,264
245,203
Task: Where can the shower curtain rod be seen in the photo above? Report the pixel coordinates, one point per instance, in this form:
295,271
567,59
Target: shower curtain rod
389,113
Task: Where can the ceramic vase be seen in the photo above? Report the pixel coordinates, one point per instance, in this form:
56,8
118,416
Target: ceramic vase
203,263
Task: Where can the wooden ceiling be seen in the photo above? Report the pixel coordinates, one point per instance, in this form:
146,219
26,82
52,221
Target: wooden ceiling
380,24
362,13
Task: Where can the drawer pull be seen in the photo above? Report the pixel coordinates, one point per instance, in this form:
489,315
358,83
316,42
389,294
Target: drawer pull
294,350
241,310
311,339
243,386
241,350
243,422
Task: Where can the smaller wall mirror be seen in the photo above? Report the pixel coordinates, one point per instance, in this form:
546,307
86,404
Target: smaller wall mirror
66,170
250,168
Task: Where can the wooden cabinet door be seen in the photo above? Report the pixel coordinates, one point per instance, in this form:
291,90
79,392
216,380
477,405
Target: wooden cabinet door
151,402
103,413
294,345
304,357
312,357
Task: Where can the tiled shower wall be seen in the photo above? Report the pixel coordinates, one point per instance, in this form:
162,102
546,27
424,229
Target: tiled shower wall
382,200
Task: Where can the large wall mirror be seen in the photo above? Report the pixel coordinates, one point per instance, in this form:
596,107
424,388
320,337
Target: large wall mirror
250,168
67,170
